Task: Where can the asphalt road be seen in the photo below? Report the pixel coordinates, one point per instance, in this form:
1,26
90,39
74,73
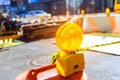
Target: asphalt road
15,60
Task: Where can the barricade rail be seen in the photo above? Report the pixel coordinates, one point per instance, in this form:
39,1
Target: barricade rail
9,34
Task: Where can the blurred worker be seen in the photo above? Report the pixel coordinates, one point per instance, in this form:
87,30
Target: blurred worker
2,27
6,25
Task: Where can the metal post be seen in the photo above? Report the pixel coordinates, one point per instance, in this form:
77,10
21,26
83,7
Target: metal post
66,5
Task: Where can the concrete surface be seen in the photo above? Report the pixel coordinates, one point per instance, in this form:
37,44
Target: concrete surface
15,60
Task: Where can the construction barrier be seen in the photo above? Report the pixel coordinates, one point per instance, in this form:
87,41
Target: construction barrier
101,23
77,19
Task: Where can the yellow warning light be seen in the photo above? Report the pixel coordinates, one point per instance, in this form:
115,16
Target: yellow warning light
67,13
46,14
82,12
69,37
40,17
107,11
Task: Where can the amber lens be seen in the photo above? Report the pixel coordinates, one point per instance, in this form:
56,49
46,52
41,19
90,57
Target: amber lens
69,37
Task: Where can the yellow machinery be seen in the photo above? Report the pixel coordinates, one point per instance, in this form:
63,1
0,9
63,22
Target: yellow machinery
117,6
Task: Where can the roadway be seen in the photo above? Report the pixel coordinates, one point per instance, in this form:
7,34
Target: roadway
15,60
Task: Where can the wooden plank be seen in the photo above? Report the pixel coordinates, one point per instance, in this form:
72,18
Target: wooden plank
29,25
8,37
